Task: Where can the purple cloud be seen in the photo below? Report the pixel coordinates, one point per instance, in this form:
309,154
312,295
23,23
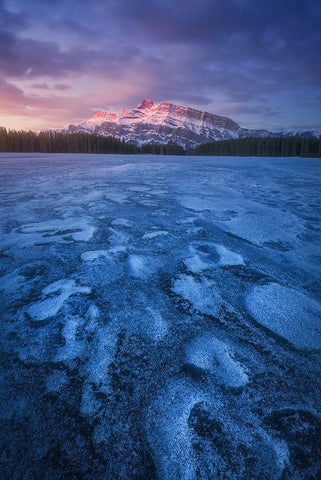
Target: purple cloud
243,57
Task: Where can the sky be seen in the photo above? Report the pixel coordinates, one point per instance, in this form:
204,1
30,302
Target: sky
256,61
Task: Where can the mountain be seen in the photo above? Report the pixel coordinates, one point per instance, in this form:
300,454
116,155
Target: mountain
166,123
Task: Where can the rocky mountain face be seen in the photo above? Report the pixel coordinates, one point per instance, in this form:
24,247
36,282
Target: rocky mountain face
165,123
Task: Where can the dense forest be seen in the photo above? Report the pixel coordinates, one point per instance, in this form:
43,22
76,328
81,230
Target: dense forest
293,146
57,142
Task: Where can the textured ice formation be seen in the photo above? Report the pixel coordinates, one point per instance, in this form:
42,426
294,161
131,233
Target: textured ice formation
93,311
73,346
118,237
264,225
169,435
78,229
201,294
156,325
141,266
56,381
198,204
227,257
288,313
116,196
120,222
11,282
197,261
92,255
49,307
137,379
154,234
137,265
139,188
103,349
213,356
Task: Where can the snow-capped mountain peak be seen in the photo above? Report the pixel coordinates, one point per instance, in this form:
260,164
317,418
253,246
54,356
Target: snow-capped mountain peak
146,103
165,122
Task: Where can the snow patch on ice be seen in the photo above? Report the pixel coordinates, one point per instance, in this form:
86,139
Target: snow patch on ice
264,225
79,229
195,263
116,196
155,234
137,265
138,188
73,347
104,346
202,294
214,356
92,255
169,434
156,325
121,222
288,313
197,204
117,237
142,266
93,311
11,282
49,307
227,257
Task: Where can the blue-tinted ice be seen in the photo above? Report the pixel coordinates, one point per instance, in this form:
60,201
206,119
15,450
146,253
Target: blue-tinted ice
161,317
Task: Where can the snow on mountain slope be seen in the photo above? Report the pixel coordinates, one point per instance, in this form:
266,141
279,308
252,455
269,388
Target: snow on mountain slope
165,123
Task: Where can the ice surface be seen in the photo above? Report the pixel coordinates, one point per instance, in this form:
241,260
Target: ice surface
169,434
56,381
195,263
79,229
122,222
214,356
160,317
92,255
103,345
118,237
156,325
141,266
201,294
49,307
155,234
227,257
265,225
73,346
10,282
288,313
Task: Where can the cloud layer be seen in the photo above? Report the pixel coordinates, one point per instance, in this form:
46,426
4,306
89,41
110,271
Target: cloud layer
258,62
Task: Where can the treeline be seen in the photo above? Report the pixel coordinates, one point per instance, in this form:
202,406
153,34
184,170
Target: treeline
160,149
262,147
57,142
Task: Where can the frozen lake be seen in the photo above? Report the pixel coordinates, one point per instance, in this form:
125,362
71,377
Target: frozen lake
161,317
